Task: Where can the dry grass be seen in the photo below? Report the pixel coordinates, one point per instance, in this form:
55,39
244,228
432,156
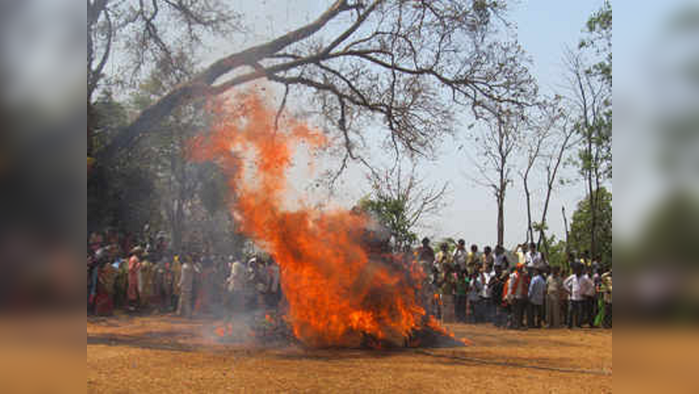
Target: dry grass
170,355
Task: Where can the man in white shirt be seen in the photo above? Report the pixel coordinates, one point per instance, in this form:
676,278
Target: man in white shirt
487,306
186,285
236,287
460,255
577,286
500,259
534,258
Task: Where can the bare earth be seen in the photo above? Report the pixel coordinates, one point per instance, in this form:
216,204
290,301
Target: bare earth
164,354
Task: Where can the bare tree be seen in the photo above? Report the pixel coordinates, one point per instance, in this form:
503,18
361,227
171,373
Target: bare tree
496,144
532,143
404,63
403,200
140,32
561,140
590,97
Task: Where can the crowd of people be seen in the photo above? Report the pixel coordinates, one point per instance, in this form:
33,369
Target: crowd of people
517,292
516,289
149,277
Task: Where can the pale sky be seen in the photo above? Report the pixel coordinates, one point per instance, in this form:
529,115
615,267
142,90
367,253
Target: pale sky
545,28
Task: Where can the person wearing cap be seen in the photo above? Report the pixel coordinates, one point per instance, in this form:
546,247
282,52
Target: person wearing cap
517,293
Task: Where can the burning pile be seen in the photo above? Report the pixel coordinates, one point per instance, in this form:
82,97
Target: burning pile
339,293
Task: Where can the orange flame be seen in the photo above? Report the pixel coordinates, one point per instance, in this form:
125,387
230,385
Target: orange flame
337,293
434,324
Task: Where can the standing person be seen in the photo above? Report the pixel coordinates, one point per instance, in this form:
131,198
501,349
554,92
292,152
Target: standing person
236,287
186,284
442,258
274,287
449,281
606,288
473,298
576,285
554,291
522,253
134,269
460,256
461,289
486,302
487,256
537,288
517,292
474,259
175,281
425,255
145,281
121,283
590,293
585,260
500,259
534,258
497,285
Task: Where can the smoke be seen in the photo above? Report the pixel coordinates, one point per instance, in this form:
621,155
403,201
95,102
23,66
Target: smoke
340,286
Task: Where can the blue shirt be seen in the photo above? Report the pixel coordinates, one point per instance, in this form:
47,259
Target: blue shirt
536,290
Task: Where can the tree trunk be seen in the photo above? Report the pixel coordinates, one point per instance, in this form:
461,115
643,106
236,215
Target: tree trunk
592,200
530,229
501,220
90,128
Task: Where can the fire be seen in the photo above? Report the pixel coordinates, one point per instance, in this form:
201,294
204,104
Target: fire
434,324
338,295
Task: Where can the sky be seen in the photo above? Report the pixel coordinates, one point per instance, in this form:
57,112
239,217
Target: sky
647,86
545,29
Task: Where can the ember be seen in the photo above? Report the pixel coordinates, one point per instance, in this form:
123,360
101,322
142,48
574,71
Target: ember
339,293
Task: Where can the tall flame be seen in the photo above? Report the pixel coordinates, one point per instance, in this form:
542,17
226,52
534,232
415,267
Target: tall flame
338,294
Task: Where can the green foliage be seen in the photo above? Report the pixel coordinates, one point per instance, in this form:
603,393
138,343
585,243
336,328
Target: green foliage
670,233
598,128
109,115
557,252
580,227
598,38
393,214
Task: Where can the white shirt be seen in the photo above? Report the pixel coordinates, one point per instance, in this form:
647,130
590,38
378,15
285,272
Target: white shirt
236,279
578,287
589,290
500,261
521,291
460,257
534,260
186,277
484,278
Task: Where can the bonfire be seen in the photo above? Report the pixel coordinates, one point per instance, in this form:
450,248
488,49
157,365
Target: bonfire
342,287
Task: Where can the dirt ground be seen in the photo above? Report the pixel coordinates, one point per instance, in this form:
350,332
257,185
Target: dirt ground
164,354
